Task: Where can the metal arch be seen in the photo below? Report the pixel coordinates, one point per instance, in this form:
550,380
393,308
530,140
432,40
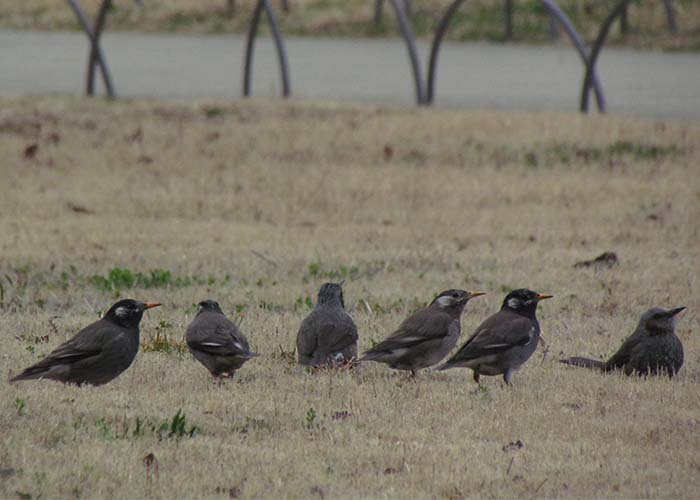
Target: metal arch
279,44
96,56
554,10
595,52
563,19
407,34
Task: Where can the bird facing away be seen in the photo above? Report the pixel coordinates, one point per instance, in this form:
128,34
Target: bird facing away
216,342
425,337
506,340
327,336
98,353
653,348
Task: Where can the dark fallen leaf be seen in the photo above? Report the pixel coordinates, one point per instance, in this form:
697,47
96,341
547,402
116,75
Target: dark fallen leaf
212,136
388,152
53,138
30,151
135,136
513,445
391,470
573,406
79,209
150,462
5,473
605,259
318,491
234,492
145,159
341,415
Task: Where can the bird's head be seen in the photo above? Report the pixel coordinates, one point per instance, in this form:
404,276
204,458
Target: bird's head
523,300
331,293
659,321
450,299
209,306
128,312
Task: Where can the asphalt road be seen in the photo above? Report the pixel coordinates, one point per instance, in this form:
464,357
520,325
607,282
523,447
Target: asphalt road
471,75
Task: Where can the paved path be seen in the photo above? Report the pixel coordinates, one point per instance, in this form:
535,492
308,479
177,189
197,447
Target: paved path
473,75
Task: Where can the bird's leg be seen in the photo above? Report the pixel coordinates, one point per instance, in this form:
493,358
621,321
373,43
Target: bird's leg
413,374
476,377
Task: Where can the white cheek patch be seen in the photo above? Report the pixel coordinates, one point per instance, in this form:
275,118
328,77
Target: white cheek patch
445,301
121,312
513,303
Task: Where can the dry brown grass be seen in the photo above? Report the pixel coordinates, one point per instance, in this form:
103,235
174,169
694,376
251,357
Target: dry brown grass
256,204
476,20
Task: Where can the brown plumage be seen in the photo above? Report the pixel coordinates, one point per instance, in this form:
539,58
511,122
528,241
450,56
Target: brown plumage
216,342
327,336
425,337
653,348
99,352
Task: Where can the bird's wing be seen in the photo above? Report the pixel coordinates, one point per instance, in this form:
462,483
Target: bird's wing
623,355
218,337
307,340
338,335
87,343
423,326
495,335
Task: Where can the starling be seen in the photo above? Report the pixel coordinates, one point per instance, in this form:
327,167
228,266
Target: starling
216,342
505,340
327,336
653,348
425,337
99,352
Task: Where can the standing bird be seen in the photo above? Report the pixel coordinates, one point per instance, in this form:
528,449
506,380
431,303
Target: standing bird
216,342
99,352
505,340
653,348
327,336
425,337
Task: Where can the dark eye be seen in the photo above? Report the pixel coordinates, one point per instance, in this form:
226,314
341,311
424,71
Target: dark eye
455,295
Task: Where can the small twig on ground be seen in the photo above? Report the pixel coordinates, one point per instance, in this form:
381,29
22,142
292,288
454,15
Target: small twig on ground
544,355
264,257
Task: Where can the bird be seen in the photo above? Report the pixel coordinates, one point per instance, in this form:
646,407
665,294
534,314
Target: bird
328,335
425,337
653,348
505,340
216,342
98,353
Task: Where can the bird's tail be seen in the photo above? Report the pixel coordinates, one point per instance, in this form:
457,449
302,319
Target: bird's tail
31,373
584,362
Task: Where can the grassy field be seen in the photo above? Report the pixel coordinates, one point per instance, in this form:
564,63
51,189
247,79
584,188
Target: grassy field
256,204
476,20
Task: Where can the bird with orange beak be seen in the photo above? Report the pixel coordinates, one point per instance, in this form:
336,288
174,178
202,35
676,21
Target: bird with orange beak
98,353
505,341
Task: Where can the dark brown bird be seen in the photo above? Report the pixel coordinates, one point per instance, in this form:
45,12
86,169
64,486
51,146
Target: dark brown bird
653,348
99,352
216,342
327,336
425,337
506,340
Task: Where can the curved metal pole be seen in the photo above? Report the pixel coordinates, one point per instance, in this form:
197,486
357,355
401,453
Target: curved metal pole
595,52
85,24
250,46
378,11
435,49
509,20
563,19
279,43
94,42
407,34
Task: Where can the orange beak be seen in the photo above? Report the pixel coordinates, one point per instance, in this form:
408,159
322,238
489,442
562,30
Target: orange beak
150,305
542,296
475,294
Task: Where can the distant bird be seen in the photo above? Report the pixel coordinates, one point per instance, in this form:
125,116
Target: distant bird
425,337
506,340
327,336
653,348
98,353
216,342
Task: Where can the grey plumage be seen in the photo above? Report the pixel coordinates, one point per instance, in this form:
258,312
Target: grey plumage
216,342
425,337
98,353
328,335
653,348
506,340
